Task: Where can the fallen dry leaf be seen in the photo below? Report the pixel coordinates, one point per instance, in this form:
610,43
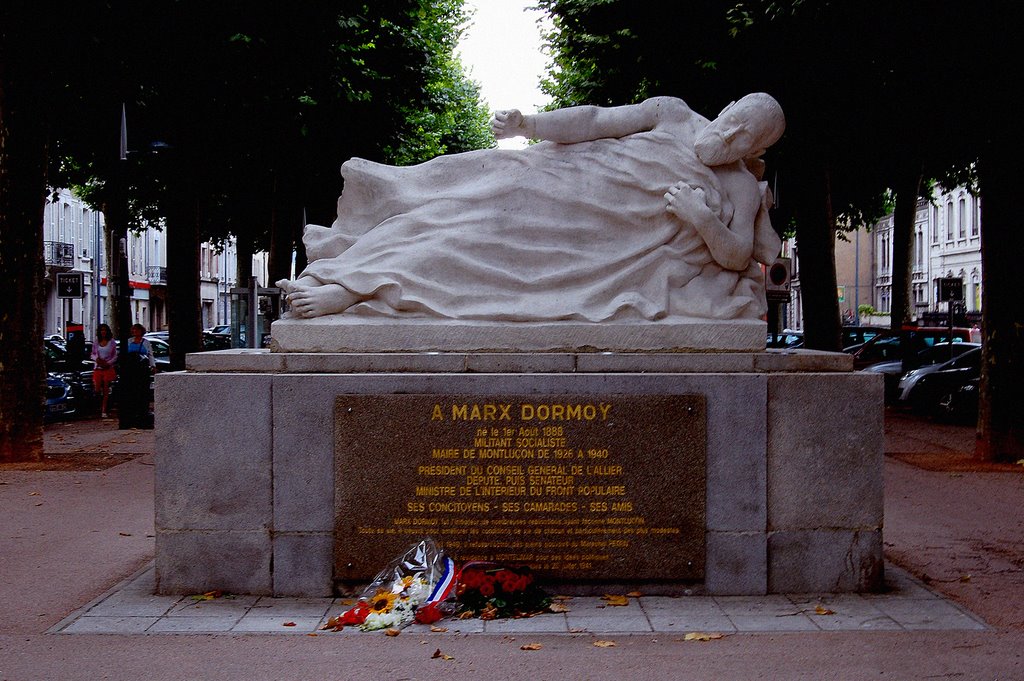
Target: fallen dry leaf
208,596
822,610
561,598
288,624
612,599
634,594
392,632
125,534
577,630
467,615
33,494
530,646
558,607
438,630
439,655
700,636
604,644
965,578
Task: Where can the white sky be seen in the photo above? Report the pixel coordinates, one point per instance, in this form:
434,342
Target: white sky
502,51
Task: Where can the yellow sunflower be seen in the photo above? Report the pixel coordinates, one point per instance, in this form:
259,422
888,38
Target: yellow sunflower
382,601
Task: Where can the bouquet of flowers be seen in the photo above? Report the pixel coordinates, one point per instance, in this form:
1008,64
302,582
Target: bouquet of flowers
491,590
419,582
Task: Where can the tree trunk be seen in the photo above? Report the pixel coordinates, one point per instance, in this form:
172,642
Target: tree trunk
23,155
907,190
815,236
1001,393
184,318
279,265
243,262
115,233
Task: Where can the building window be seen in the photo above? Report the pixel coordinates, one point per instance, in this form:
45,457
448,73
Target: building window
977,218
935,224
919,247
963,219
949,221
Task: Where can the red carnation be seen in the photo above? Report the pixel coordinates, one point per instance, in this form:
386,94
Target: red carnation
428,614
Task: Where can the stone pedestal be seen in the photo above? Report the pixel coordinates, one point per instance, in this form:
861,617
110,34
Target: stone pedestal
245,477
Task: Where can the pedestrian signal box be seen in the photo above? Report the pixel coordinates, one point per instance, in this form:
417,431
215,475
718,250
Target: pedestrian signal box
777,281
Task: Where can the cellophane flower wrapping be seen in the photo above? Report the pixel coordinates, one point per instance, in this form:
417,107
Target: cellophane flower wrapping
493,590
418,585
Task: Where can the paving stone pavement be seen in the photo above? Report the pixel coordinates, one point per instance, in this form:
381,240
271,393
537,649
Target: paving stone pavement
907,605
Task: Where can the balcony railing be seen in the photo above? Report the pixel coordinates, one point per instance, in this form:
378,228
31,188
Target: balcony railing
57,254
157,275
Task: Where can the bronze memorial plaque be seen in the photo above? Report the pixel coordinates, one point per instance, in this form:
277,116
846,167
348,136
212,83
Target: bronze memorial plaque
579,487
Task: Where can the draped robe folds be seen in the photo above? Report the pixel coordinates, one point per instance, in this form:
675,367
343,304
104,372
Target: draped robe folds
552,232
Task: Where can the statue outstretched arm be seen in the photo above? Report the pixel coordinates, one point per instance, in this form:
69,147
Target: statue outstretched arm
584,123
730,249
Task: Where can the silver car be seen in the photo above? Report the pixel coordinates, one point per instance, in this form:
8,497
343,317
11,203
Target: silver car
905,392
927,359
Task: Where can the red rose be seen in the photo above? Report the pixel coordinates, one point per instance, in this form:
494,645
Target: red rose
471,578
487,589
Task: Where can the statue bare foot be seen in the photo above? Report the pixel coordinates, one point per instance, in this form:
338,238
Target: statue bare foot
317,300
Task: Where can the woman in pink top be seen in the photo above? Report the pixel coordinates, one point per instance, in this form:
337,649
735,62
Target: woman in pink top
104,353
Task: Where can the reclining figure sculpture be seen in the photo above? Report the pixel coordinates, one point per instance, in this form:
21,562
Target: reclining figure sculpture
638,212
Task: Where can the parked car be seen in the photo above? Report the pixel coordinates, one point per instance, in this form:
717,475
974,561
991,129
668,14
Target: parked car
927,360
962,404
858,335
931,392
216,341
60,402
220,330
786,339
161,353
889,346
76,375
57,360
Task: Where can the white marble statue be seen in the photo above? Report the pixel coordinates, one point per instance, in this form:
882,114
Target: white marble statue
639,212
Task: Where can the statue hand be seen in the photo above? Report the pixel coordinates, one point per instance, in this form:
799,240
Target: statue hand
507,124
692,202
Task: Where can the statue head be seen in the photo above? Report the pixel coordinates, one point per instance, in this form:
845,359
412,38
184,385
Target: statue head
744,129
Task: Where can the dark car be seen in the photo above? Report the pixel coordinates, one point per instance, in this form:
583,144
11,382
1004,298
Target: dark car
60,402
76,374
891,345
926,360
935,393
161,353
786,339
858,335
216,341
961,405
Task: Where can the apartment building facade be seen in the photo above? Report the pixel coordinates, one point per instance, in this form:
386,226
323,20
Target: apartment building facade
946,244
73,241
